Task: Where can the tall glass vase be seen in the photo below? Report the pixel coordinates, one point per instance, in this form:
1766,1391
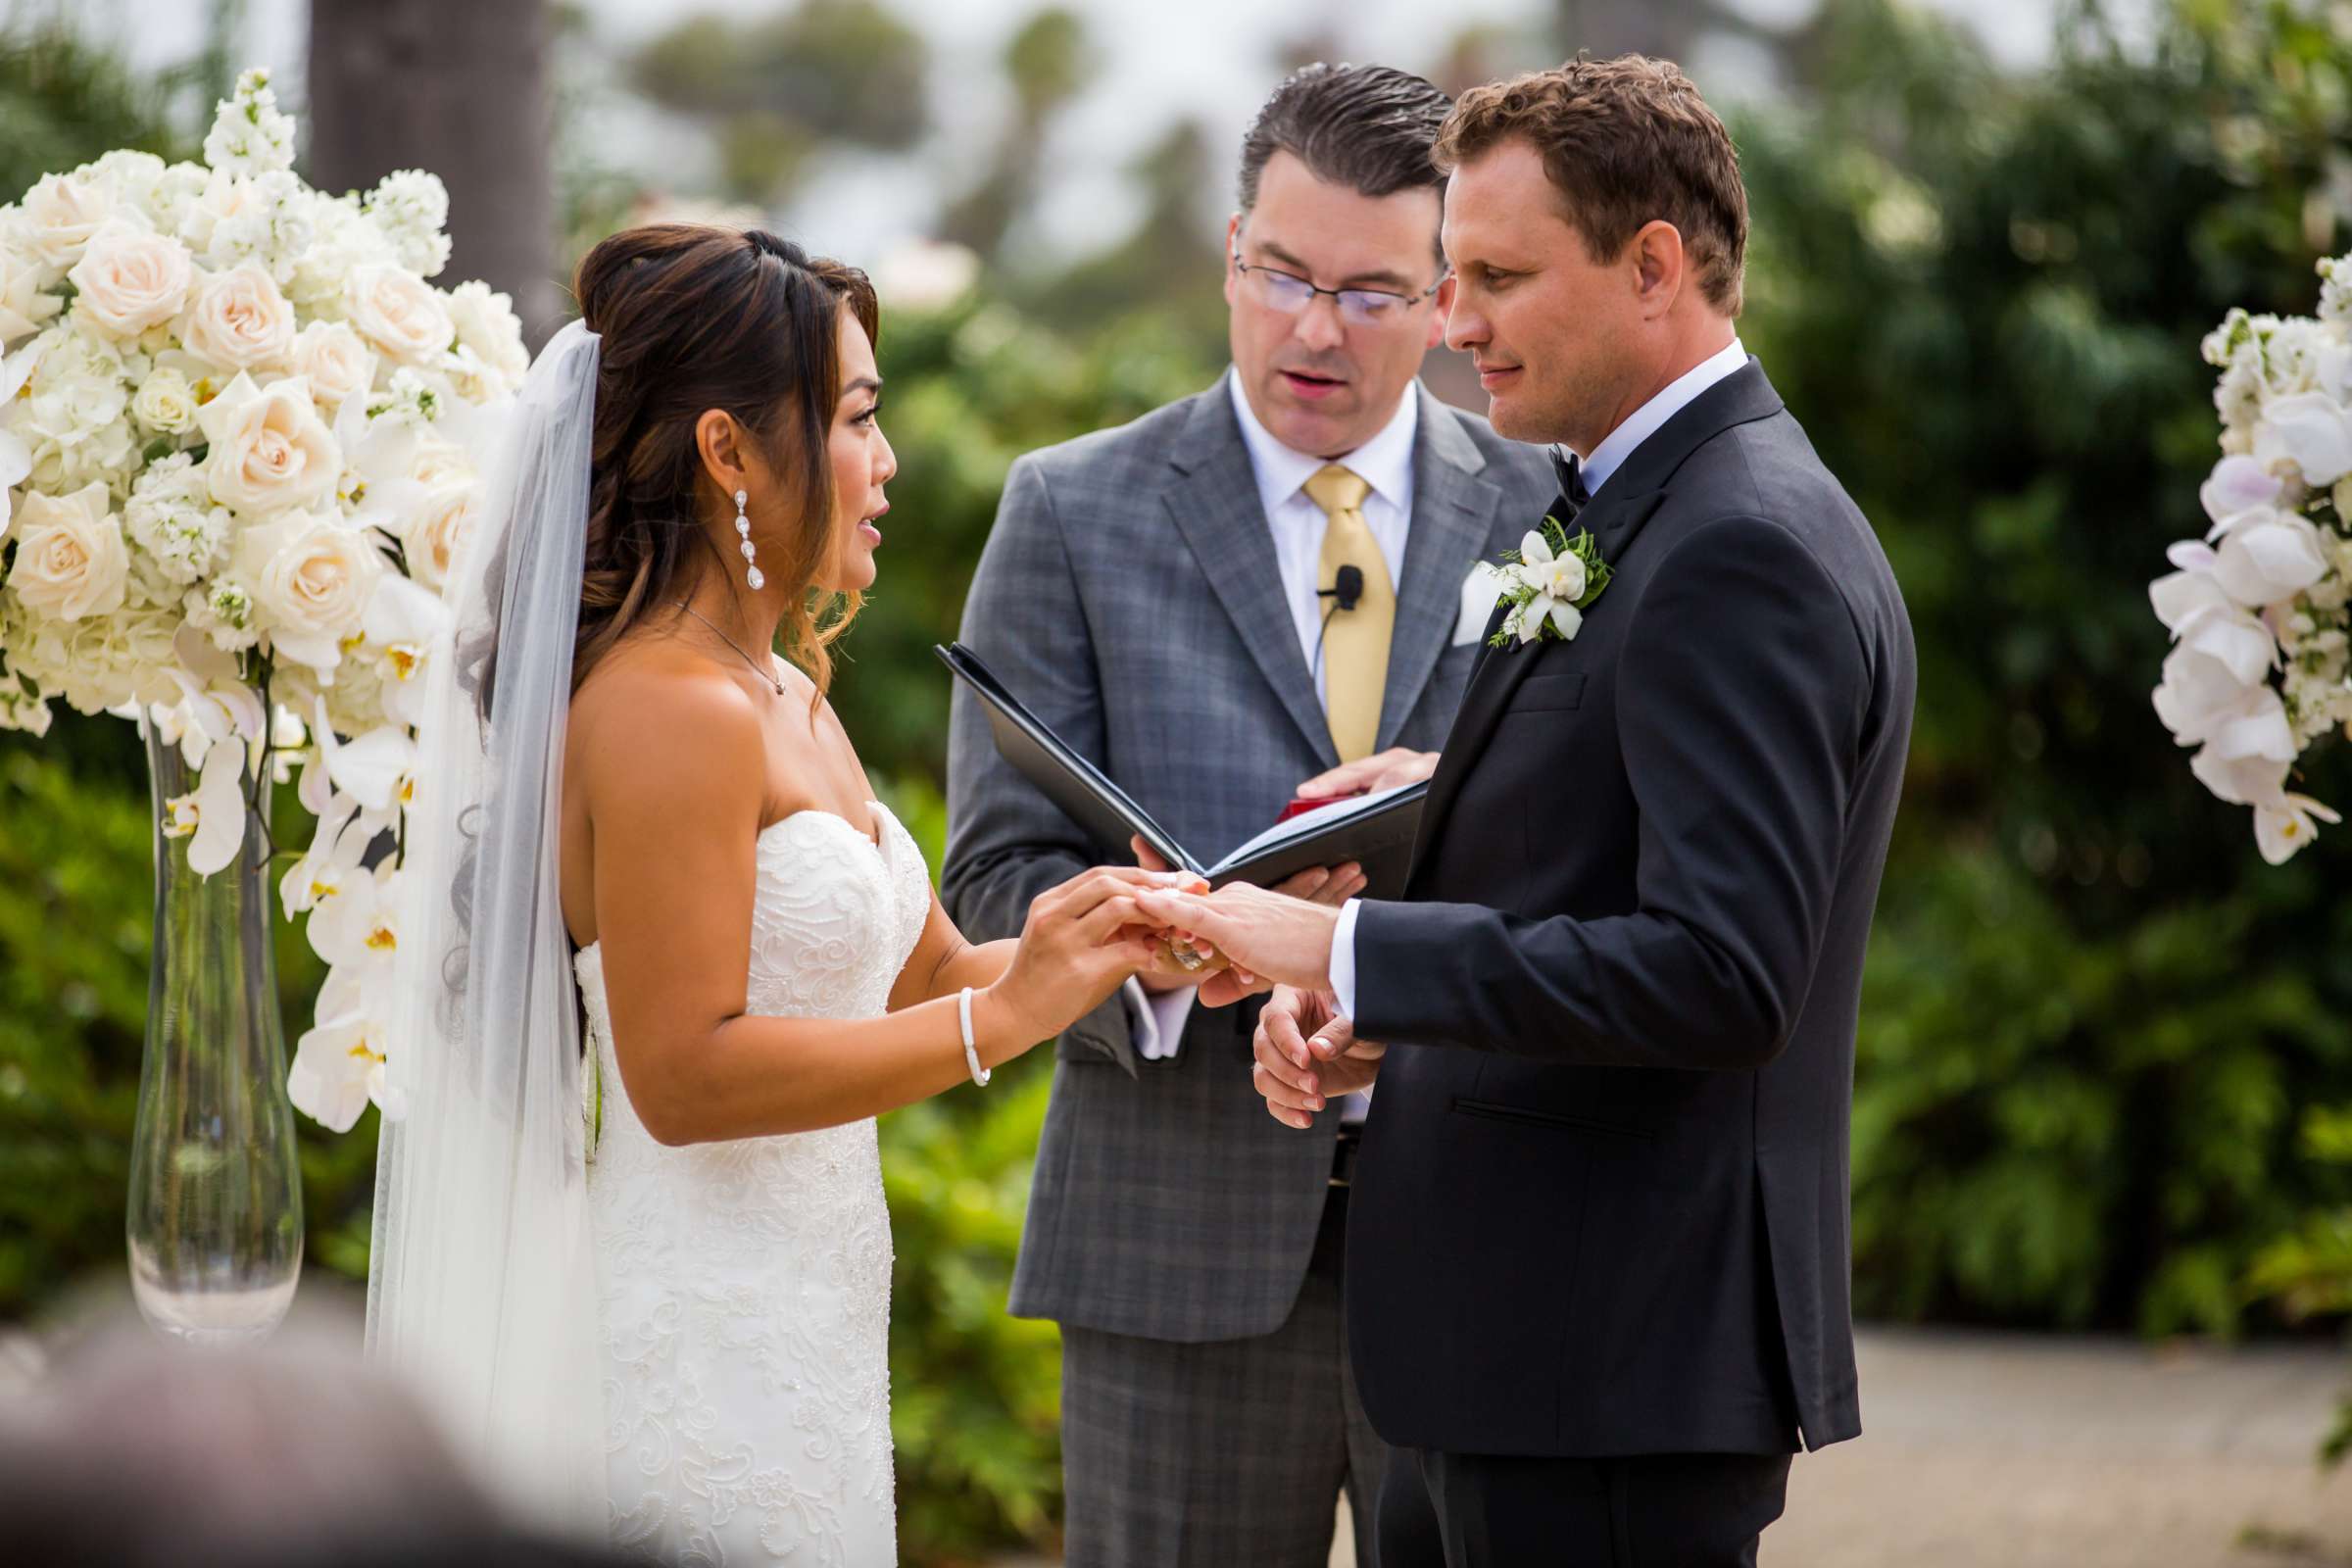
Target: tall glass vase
214,1220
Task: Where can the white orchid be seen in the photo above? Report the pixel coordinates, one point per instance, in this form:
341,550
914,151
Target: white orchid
357,922
1558,581
2285,826
378,768
241,447
212,817
339,1062
401,621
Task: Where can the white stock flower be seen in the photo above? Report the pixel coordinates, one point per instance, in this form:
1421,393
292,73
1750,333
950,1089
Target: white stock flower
240,320
129,280
338,366
269,449
174,521
2268,556
339,1062
2312,431
411,208
70,560
223,612
490,345
2283,828
249,136
399,313
311,580
62,211
166,403
342,240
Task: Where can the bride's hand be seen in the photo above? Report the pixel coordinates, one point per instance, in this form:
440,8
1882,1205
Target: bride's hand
1080,942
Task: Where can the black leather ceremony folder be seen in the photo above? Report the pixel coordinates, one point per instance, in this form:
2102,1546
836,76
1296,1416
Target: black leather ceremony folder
1376,831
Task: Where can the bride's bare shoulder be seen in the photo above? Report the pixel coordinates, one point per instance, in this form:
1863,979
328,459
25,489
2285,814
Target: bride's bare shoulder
652,703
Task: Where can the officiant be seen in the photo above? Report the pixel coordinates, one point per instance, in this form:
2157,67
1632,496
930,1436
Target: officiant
1233,595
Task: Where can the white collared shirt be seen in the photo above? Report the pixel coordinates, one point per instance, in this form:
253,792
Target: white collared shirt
1606,458
1386,464
1642,423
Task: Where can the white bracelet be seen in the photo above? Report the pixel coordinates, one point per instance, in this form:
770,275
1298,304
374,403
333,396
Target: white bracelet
971,1053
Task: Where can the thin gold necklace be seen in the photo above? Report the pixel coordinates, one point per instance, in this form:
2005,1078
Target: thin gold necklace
768,674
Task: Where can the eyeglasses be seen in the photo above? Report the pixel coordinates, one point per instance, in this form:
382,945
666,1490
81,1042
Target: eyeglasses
1292,294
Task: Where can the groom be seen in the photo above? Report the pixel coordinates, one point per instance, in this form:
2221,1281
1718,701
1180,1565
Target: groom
1154,592
1599,1249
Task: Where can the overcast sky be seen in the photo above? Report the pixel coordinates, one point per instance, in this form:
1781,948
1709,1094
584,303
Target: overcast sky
1213,59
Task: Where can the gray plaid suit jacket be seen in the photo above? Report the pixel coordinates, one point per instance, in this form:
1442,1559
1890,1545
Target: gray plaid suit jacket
1129,595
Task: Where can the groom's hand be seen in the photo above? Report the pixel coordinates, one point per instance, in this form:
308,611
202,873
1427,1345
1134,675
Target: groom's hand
1224,984
1306,1052
1273,936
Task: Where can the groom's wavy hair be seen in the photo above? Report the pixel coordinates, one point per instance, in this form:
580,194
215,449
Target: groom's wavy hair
693,317
1369,127
1624,141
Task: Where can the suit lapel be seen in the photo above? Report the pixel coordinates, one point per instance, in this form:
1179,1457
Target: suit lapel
1615,515
1215,506
1452,512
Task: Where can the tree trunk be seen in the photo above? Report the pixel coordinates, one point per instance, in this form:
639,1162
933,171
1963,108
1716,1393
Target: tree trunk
458,88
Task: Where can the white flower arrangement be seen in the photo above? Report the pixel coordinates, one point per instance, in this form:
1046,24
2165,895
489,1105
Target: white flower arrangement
2260,610
240,447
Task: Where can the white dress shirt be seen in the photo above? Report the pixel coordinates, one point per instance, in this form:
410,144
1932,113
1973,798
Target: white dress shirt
1386,464
1596,468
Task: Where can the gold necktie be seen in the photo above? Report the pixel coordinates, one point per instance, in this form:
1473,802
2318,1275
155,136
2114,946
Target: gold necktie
1355,641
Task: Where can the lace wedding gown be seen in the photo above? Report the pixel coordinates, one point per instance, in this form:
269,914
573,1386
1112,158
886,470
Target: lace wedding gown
746,1286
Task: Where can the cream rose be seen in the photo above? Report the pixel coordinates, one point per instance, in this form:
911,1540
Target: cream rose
240,320
166,403
71,560
399,313
310,578
332,357
269,449
64,210
130,279
439,534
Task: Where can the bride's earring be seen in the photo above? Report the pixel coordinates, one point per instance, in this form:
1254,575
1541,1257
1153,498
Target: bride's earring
743,530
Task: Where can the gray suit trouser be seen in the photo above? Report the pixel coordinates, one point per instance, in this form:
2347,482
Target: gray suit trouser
1153,1485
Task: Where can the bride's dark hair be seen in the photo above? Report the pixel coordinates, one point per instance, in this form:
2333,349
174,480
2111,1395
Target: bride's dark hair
693,318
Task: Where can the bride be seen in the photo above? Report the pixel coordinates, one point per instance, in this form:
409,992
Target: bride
645,1274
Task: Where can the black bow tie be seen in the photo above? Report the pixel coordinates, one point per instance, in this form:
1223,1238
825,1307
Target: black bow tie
1573,494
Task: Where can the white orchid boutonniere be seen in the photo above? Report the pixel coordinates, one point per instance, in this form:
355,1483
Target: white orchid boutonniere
1548,581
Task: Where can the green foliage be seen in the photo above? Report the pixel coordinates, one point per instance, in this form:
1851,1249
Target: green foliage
75,915
777,88
2090,1009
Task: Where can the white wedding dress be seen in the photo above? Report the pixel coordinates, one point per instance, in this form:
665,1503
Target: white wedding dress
746,1286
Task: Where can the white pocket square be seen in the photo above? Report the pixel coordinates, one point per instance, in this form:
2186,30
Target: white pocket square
1480,590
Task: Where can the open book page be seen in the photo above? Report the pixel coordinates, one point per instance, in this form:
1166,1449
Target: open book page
1308,823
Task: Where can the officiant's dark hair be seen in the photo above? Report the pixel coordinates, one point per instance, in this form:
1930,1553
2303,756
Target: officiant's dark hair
693,317
1369,127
